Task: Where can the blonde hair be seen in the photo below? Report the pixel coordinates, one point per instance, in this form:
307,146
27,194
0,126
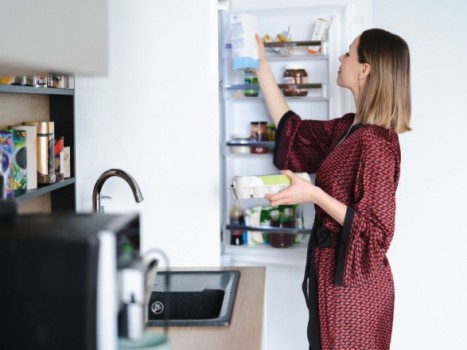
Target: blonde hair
386,99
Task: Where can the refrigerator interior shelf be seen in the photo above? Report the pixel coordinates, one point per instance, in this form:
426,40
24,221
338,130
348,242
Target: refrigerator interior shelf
270,229
251,143
293,43
238,96
256,87
286,44
296,56
235,155
265,254
301,86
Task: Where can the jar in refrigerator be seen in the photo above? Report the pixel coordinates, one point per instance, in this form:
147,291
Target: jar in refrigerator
280,239
251,79
284,218
294,75
259,132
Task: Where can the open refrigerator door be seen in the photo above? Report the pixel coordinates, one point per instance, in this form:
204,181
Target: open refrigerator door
302,47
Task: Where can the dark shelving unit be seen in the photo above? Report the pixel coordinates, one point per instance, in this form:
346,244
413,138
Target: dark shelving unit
61,112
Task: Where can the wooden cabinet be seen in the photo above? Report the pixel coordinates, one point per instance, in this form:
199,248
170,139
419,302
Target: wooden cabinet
23,103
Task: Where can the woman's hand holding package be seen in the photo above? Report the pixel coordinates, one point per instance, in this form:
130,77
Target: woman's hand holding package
302,191
299,191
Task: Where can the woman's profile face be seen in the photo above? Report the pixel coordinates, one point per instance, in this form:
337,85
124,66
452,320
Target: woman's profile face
349,74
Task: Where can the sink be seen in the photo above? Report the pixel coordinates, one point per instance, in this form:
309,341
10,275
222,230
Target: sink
195,298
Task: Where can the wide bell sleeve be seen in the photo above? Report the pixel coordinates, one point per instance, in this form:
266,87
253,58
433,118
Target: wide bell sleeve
302,144
370,221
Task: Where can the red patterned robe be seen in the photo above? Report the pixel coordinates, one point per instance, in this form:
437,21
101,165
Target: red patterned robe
348,283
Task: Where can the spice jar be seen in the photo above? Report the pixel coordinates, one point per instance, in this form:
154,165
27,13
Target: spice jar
295,75
40,80
251,79
259,132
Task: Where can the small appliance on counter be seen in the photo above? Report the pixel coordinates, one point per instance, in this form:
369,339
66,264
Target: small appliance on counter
70,281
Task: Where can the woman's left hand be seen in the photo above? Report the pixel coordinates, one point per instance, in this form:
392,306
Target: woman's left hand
299,191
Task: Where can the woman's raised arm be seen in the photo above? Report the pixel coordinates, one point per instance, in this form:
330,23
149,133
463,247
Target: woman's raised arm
273,97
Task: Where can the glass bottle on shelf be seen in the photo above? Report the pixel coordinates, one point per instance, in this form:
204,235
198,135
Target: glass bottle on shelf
259,132
251,79
236,218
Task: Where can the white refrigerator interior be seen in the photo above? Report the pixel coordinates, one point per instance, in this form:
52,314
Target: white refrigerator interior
323,100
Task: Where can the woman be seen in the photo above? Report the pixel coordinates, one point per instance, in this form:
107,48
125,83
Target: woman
348,283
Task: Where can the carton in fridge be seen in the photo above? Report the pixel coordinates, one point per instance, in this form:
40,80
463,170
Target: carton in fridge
244,47
257,186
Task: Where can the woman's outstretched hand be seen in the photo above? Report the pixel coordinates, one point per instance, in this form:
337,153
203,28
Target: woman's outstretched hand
299,191
275,101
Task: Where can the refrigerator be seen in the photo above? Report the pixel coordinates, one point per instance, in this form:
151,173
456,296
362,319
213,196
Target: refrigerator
241,104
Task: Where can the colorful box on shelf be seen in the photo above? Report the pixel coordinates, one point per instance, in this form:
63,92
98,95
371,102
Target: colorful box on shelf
19,162
245,187
31,154
6,167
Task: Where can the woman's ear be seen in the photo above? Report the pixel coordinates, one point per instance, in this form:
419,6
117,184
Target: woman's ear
364,71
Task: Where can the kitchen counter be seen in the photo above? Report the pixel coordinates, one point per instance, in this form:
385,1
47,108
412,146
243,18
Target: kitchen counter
246,327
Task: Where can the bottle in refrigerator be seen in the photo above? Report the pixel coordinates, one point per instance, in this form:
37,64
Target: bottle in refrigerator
259,132
252,80
236,218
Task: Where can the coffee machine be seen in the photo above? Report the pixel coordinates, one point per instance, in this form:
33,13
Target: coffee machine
70,281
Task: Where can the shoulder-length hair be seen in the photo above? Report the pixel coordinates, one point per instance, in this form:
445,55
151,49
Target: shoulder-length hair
386,99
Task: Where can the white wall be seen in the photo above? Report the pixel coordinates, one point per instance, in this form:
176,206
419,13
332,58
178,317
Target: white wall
156,116
428,254
42,36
